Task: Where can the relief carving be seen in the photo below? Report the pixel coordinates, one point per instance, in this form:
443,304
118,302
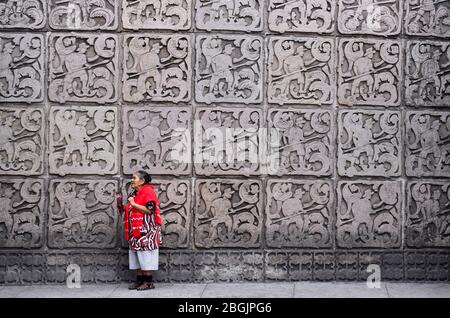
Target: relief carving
82,214
21,141
83,140
301,71
368,214
427,144
299,214
228,213
428,17
428,74
21,67
369,143
21,212
157,68
239,15
229,69
302,16
27,14
83,68
300,142
369,72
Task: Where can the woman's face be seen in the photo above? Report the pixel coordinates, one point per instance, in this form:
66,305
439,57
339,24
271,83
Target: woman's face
136,182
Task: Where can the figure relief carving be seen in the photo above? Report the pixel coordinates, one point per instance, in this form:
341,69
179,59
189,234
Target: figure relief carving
157,140
81,214
21,212
157,68
83,14
21,67
377,17
26,14
301,71
300,142
427,144
229,69
302,16
428,17
299,214
239,15
83,68
156,14
368,214
21,141
228,213
428,74
370,72
369,143
83,140
227,141
428,214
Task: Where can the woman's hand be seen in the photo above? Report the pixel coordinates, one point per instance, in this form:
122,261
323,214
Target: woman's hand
131,200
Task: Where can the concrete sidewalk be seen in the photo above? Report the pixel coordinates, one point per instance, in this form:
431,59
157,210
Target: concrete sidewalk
238,290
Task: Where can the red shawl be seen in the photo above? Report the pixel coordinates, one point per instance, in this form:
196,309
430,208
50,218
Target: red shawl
144,195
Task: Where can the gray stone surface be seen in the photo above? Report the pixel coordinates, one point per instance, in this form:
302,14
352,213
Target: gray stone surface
157,68
370,72
228,68
22,67
82,15
299,213
83,67
31,15
370,17
288,140
300,70
369,143
228,213
22,141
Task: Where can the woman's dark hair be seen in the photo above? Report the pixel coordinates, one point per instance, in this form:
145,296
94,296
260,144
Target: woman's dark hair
144,176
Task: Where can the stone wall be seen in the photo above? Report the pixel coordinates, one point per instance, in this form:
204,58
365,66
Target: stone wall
335,116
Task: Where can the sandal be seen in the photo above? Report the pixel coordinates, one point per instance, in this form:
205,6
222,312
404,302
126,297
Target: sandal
134,286
145,286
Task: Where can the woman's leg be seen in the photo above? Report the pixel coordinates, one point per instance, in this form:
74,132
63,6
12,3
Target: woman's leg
148,281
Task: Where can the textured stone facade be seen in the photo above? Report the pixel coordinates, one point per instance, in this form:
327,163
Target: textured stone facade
287,140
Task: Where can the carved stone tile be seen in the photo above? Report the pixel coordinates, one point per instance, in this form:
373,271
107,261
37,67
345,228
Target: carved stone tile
83,140
324,266
83,68
347,265
369,214
369,72
83,15
82,213
369,143
236,15
428,18
21,141
302,16
157,140
175,203
300,142
227,141
376,17
301,71
21,212
28,14
277,266
299,213
428,214
427,150
157,68
21,67
204,267
427,74
181,267
228,213
229,69
300,265
151,14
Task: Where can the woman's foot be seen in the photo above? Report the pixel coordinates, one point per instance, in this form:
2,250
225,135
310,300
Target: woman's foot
135,285
145,286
